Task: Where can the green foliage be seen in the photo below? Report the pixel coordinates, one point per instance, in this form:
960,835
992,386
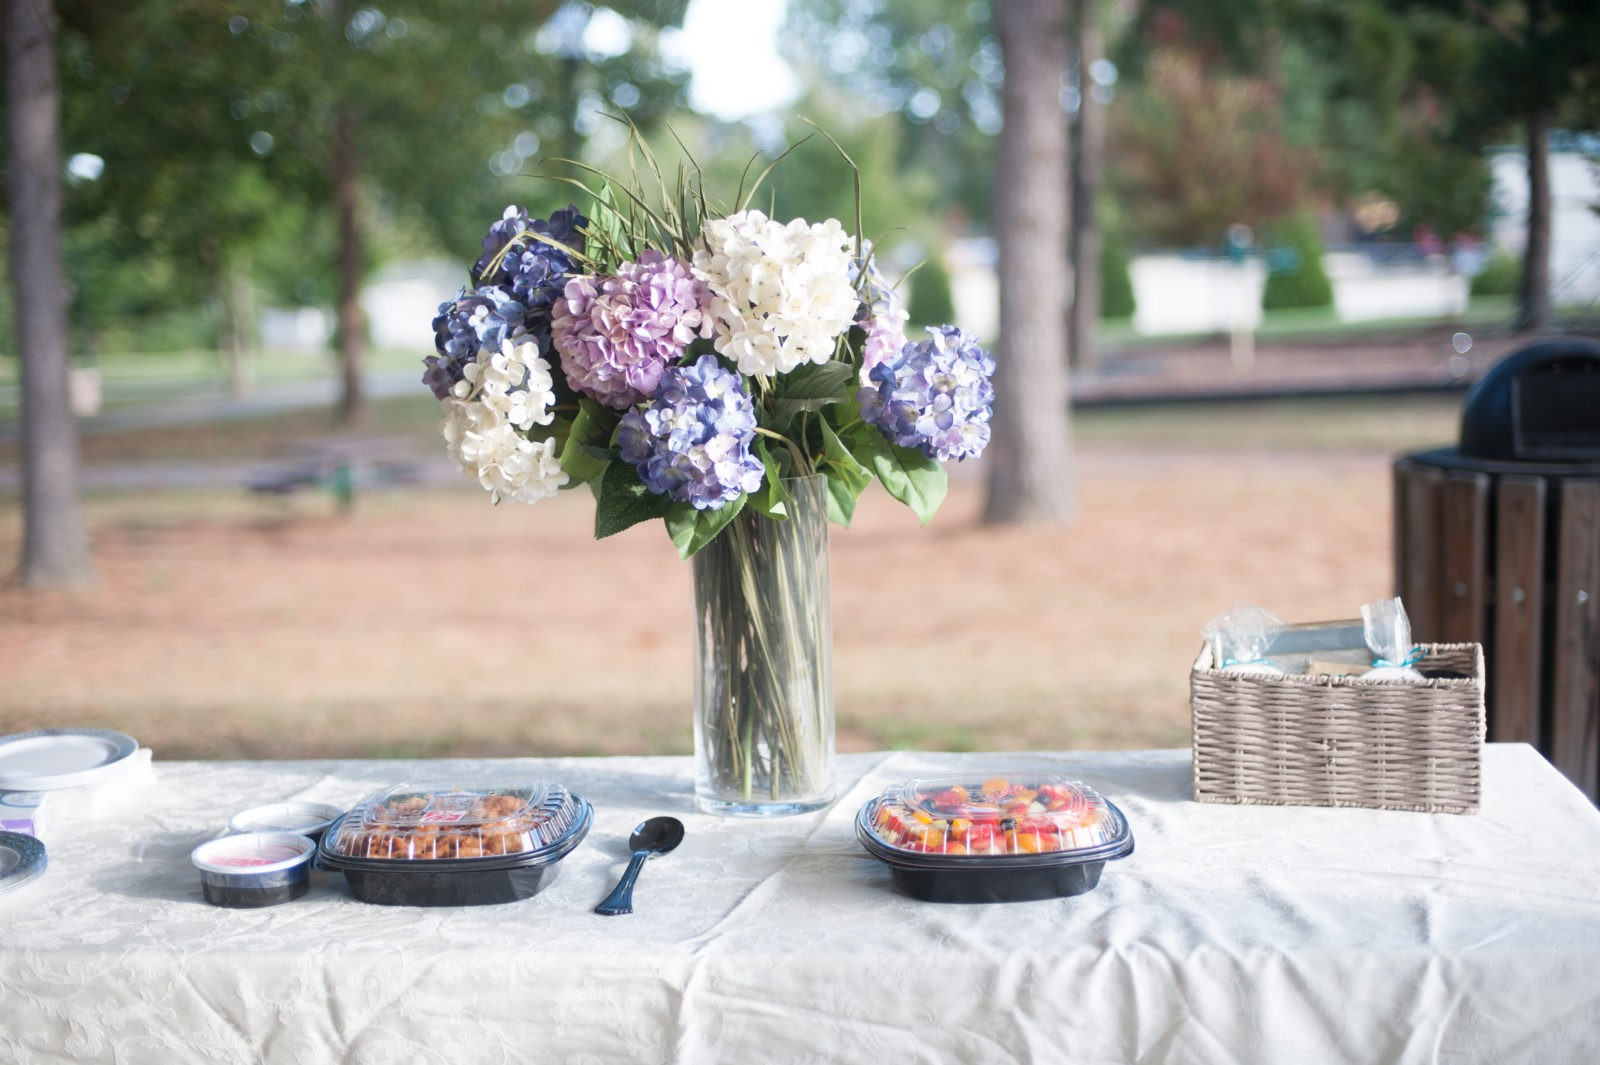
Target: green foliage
1199,150
217,120
909,476
1395,98
931,302
811,387
772,499
1306,285
936,72
1116,282
584,455
692,529
847,478
1500,276
815,182
624,501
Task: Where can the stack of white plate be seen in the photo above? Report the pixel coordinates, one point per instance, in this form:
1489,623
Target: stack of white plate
53,759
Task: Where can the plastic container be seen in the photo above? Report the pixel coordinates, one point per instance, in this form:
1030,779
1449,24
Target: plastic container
254,869
303,818
455,844
1002,838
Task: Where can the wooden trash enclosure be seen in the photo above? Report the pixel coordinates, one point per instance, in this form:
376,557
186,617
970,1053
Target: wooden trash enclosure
1498,543
1511,561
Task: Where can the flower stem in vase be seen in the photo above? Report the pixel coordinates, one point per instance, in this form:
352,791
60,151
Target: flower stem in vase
764,731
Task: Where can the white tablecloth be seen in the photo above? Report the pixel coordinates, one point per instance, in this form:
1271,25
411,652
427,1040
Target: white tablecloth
1233,934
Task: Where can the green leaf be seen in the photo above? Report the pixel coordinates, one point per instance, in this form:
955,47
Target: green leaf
907,474
584,455
693,529
624,501
771,498
847,478
812,387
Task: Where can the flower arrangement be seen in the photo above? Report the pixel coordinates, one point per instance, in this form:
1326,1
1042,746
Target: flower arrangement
744,380
686,362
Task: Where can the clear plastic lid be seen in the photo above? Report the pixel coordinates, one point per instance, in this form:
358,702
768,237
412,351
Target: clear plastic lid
1008,814
454,820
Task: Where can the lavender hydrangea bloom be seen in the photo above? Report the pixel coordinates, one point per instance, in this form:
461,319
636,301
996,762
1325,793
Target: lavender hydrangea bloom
533,271
616,335
935,395
484,318
692,443
879,315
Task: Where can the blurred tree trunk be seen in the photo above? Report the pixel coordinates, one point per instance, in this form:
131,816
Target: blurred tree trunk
234,303
239,322
352,266
1029,462
55,549
1088,152
1533,312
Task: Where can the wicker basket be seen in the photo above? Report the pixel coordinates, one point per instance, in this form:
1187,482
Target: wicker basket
1336,741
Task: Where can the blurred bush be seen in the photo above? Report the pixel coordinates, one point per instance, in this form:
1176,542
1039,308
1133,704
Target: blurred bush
1305,285
931,302
1500,276
1116,283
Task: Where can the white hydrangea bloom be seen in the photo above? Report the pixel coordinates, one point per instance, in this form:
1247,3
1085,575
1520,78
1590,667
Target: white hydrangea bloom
780,294
514,382
503,396
489,448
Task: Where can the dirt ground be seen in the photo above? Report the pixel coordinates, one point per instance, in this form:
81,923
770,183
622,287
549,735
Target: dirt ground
427,622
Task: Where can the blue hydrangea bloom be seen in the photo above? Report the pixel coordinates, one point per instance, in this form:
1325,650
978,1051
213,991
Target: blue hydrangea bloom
482,318
692,443
934,395
533,271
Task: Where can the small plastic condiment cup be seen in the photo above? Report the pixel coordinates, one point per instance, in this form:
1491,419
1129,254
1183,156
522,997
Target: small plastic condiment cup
254,869
302,818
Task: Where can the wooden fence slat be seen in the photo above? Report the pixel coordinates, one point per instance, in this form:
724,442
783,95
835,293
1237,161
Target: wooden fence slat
1515,670
1575,680
1416,504
1464,543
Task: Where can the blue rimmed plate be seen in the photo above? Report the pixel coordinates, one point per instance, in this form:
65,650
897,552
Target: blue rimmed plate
22,860
54,758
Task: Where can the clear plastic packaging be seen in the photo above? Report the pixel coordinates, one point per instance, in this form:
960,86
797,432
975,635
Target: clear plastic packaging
1388,634
455,844
993,838
1239,639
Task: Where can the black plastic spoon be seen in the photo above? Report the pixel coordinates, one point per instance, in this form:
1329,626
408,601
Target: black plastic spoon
655,836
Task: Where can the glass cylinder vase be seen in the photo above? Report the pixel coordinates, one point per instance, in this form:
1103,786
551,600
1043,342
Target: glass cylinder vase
763,725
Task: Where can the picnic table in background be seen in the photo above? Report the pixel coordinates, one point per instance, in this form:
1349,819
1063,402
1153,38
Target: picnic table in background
341,465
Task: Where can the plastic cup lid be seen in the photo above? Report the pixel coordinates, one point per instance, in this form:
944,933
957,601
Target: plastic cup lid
298,817
253,853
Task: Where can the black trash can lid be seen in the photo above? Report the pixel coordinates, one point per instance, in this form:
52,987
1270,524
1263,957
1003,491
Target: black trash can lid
1541,403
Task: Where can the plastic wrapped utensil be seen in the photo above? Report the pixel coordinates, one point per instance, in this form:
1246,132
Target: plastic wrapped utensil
1388,634
1239,639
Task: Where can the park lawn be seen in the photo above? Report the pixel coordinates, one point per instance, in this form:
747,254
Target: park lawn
427,622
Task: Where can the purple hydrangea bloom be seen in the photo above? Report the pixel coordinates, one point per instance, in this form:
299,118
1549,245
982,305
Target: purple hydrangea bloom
879,315
616,335
692,443
935,395
483,318
533,271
